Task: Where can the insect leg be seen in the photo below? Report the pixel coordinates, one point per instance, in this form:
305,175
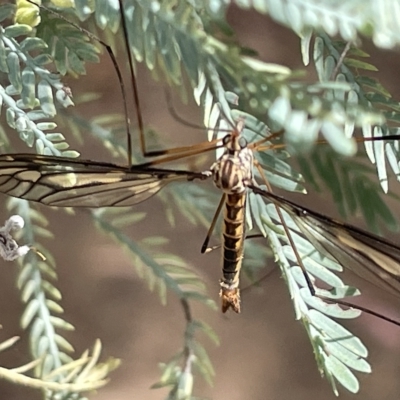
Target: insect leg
204,248
180,152
116,67
288,234
298,213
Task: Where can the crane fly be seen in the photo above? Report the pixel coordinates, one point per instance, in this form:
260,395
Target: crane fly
64,182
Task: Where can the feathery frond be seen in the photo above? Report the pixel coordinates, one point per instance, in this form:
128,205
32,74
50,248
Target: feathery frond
347,19
31,87
54,370
176,39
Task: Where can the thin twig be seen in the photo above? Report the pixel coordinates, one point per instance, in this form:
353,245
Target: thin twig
340,61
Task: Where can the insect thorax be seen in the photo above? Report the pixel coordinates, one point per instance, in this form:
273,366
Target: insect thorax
233,171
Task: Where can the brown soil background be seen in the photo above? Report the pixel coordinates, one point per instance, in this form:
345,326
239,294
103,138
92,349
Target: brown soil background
264,352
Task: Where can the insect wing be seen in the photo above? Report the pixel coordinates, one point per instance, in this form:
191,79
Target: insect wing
369,256
64,182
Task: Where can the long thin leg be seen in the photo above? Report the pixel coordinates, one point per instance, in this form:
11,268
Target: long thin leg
135,94
116,67
288,234
323,141
213,223
184,152
218,246
305,273
179,152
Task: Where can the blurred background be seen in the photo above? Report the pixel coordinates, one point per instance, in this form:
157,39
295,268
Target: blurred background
264,353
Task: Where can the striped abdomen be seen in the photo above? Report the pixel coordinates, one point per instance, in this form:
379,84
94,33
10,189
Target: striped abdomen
233,233
232,173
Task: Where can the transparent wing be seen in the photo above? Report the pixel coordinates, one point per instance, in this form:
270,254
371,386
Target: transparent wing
65,182
369,256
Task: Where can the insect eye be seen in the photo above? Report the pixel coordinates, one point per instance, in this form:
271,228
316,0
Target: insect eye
226,140
242,143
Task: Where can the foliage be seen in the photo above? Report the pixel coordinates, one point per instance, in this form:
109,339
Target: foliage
175,38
